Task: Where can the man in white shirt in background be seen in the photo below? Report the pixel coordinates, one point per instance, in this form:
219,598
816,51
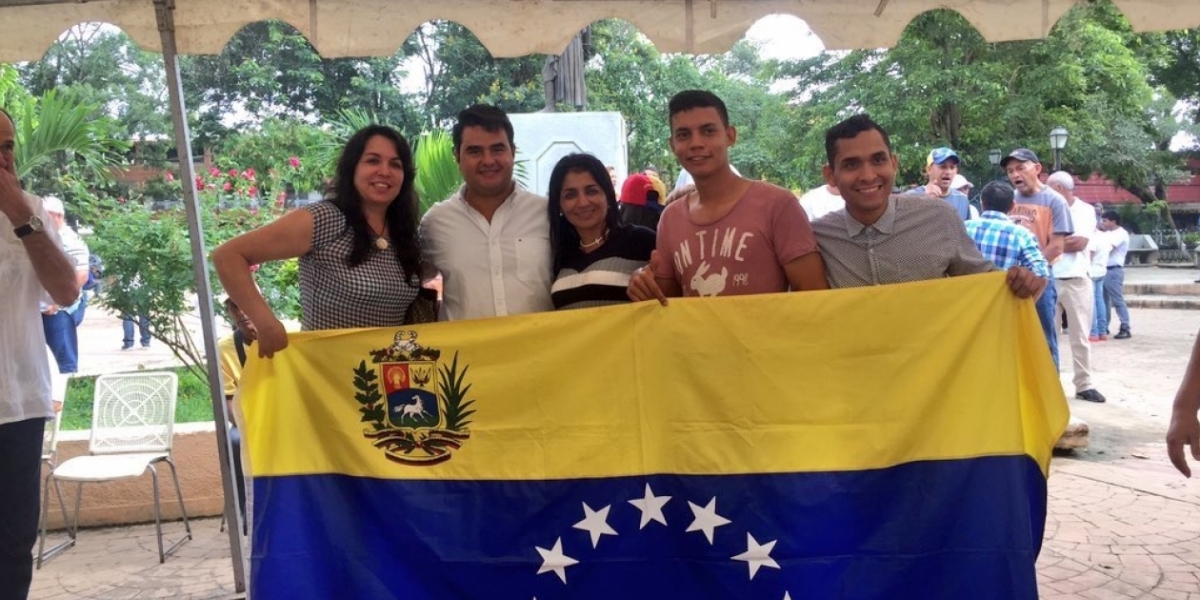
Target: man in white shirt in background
1076,296
1114,277
491,238
61,323
821,201
1101,249
33,269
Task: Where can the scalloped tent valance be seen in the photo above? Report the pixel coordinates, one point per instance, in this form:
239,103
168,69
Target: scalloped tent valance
339,28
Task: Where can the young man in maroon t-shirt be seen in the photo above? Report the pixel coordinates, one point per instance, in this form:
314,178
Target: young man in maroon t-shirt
731,236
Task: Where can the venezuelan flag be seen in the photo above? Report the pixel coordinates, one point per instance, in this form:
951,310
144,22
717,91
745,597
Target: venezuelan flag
888,442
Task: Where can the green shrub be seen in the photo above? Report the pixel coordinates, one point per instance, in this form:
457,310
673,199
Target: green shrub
192,406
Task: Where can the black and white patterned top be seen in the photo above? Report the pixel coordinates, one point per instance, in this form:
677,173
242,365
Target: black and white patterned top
600,277
333,295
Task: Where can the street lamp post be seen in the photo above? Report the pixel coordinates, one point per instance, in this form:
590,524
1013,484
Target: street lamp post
1058,141
994,158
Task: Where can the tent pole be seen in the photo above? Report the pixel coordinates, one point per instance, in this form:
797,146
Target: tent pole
165,13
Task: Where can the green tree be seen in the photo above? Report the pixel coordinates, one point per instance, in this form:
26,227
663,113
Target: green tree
268,69
101,65
459,71
630,76
963,92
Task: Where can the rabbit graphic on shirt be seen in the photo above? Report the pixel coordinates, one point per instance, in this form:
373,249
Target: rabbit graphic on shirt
708,285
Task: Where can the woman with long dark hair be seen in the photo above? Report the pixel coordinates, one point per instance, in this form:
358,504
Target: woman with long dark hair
593,253
360,261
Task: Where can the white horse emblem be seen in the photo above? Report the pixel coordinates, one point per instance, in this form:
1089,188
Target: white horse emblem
414,410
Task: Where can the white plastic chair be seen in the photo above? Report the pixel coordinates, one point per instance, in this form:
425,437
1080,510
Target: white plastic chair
133,418
50,458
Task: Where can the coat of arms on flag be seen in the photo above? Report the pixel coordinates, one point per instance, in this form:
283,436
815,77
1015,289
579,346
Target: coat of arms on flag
416,408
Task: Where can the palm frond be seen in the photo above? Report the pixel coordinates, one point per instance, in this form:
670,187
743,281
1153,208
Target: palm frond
437,170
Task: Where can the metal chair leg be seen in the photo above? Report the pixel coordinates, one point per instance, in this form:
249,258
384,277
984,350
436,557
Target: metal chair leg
179,494
62,505
162,556
45,554
45,514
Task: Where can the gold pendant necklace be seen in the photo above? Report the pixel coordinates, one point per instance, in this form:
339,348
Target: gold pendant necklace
595,242
381,241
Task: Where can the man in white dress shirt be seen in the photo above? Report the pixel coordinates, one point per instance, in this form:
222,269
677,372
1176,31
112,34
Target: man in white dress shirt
491,238
1076,296
34,269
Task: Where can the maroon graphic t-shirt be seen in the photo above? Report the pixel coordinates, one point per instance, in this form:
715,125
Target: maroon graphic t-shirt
740,253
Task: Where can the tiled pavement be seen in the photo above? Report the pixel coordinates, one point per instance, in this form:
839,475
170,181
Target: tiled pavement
1114,531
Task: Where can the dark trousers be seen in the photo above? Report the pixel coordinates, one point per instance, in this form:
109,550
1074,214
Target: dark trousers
21,474
1046,306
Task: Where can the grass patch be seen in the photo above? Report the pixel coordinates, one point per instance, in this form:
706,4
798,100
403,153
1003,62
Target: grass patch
192,406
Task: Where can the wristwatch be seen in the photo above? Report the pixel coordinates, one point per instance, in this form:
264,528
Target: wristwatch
34,225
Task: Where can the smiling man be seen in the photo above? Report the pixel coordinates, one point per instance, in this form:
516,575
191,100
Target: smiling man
730,236
491,238
879,238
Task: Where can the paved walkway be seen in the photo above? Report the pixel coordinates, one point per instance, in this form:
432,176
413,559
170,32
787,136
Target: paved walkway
1121,524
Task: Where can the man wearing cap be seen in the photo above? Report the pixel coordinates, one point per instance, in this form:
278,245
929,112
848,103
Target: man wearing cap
1076,296
940,167
1047,215
639,202
33,268
61,323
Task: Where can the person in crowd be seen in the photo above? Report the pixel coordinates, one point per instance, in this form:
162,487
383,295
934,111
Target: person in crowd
1101,249
651,172
1000,240
1047,215
594,252
730,236
941,167
1184,429
35,269
1114,276
491,238
821,201
1076,298
882,238
61,323
142,325
639,202
232,351
360,262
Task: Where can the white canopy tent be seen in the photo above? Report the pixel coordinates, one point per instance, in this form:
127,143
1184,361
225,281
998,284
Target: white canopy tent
341,28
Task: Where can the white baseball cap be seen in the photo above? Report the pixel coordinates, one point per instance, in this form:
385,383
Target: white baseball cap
53,205
960,182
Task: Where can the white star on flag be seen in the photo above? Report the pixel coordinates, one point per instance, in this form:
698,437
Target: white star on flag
554,560
707,519
595,522
651,507
758,555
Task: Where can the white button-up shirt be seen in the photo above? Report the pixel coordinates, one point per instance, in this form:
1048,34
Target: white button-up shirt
490,269
25,368
1076,264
